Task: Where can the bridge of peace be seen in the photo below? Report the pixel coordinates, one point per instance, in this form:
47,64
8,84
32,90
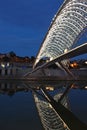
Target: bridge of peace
58,46
60,43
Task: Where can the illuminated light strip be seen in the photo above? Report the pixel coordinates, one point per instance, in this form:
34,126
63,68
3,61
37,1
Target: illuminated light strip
75,11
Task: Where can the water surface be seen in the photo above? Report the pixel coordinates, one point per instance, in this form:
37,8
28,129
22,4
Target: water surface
17,106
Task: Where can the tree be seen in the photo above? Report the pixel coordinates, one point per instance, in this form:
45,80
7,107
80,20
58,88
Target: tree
12,54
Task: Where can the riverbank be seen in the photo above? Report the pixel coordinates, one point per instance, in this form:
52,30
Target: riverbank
50,75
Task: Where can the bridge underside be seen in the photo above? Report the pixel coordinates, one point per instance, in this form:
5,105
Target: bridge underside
82,49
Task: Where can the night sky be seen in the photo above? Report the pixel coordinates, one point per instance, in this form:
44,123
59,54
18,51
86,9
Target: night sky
24,23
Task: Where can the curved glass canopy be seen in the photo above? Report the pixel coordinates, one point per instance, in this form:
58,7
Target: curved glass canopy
69,22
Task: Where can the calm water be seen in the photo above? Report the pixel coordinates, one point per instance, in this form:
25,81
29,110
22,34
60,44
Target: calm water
17,106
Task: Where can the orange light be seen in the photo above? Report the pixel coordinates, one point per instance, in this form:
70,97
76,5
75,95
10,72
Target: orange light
75,64
72,65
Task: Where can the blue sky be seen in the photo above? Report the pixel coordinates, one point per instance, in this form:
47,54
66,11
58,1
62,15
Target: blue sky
24,23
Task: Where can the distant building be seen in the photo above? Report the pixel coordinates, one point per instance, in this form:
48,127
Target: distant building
12,65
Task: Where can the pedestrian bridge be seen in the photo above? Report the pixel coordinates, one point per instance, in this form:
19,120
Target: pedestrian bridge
68,25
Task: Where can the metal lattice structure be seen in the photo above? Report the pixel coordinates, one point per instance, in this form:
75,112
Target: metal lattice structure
69,22
49,118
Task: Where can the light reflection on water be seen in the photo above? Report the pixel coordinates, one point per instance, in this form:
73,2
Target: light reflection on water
18,110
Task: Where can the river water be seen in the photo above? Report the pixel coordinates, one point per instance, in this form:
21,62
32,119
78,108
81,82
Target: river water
18,110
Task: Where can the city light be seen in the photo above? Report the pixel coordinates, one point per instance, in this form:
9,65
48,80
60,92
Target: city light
8,64
3,65
50,88
85,87
85,62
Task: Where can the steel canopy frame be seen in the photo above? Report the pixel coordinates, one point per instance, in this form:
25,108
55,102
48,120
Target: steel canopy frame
69,22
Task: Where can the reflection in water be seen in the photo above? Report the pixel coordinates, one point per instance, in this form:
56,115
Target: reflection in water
10,88
49,118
